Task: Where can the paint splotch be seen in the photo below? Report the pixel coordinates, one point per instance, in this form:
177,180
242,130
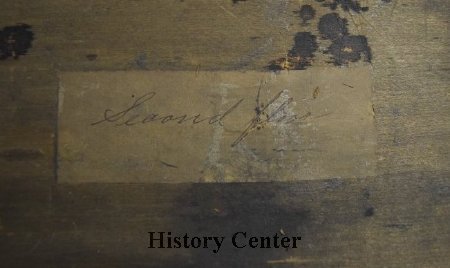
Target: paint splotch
15,41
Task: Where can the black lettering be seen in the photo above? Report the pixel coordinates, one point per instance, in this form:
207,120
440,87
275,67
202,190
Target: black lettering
253,242
152,239
285,242
294,242
205,241
218,243
233,239
275,242
265,242
196,242
176,241
185,241
169,240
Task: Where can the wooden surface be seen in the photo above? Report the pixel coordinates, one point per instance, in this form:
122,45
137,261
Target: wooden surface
398,218
337,139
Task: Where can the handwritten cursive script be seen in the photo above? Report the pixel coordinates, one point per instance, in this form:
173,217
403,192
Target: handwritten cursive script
263,115
130,116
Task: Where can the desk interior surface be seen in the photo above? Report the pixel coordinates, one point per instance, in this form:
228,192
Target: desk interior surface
398,217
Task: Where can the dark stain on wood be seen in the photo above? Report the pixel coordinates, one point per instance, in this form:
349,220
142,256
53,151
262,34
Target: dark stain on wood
15,41
346,5
141,61
304,47
306,13
208,206
104,225
370,211
350,48
91,57
300,56
332,27
345,47
334,183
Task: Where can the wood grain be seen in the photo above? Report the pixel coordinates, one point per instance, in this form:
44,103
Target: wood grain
95,225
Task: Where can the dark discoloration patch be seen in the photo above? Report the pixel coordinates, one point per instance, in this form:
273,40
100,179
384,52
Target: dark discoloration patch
386,1
306,13
280,64
370,211
15,41
228,208
350,48
305,45
334,183
237,1
300,56
443,190
208,206
366,194
345,48
91,57
20,154
141,61
346,5
332,27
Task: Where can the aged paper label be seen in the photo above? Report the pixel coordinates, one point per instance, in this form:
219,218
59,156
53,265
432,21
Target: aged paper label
175,126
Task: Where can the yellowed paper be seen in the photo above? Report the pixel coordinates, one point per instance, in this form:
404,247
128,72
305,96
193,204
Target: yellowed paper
215,126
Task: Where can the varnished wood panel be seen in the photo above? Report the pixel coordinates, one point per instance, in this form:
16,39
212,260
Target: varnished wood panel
95,225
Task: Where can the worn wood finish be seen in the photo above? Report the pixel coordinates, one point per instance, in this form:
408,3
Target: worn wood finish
395,222
94,225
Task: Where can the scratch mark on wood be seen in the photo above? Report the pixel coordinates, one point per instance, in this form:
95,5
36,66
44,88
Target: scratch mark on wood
227,11
167,164
348,85
316,93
